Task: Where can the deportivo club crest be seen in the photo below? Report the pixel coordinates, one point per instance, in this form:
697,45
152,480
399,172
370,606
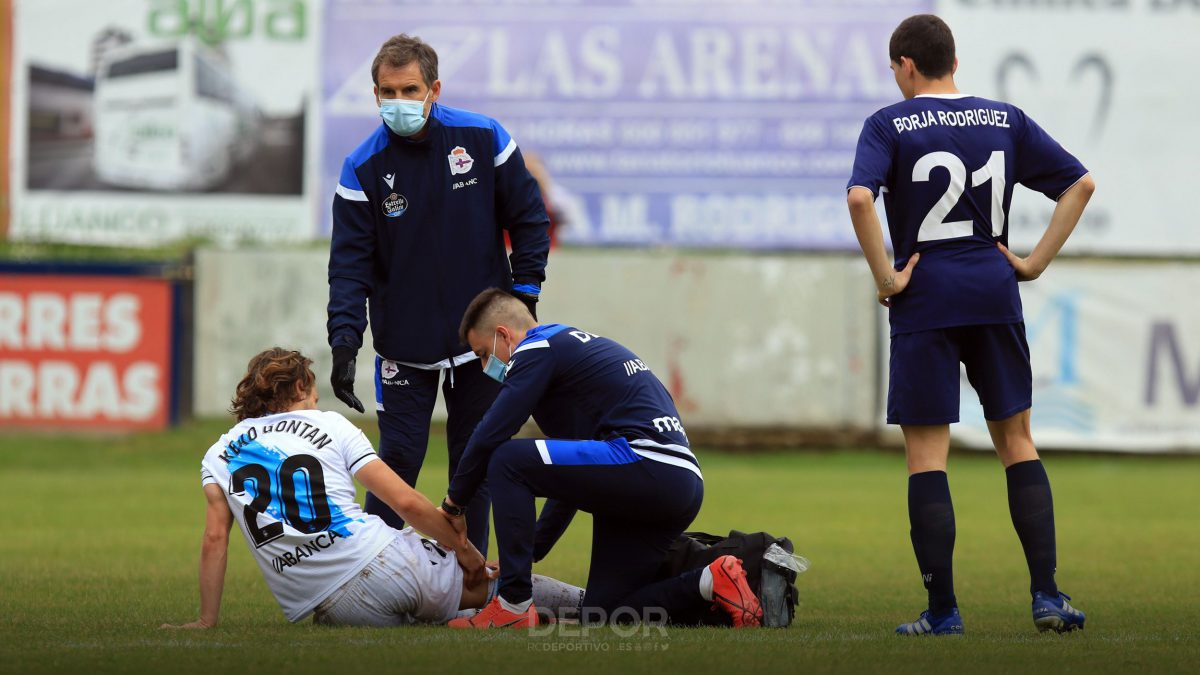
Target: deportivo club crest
460,161
395,205
388,369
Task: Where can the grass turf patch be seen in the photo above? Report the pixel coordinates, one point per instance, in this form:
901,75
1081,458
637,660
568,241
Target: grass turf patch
108,531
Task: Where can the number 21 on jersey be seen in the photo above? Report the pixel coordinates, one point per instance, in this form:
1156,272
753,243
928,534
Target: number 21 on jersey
934,227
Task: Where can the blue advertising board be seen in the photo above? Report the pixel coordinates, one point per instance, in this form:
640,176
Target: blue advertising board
693,124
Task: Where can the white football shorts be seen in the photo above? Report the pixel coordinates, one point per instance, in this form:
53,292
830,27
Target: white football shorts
411,580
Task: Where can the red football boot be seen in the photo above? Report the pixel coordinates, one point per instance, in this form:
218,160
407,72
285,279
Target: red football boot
732,593
495,616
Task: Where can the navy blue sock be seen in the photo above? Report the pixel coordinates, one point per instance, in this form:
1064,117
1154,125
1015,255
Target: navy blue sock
1032,508
931,516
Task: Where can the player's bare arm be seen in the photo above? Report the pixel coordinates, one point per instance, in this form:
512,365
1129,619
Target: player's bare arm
458,521
1062,222
419,512
214,555
868,229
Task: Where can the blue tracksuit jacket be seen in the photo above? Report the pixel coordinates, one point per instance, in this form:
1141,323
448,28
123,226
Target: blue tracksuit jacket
418,232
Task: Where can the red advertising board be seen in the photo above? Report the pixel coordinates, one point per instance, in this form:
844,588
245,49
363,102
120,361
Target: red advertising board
85,351
5,107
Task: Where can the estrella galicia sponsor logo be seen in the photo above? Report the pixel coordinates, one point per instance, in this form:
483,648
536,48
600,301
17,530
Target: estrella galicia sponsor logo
395,205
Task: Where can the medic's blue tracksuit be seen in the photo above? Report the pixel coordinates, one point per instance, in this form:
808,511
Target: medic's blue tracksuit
417,234
635,472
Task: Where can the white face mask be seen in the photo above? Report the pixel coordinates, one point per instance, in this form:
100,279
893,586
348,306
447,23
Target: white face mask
403,116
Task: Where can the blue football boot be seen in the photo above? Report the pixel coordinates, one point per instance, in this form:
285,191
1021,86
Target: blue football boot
949,623
1055,613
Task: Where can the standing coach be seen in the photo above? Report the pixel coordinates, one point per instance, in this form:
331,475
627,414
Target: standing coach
418,230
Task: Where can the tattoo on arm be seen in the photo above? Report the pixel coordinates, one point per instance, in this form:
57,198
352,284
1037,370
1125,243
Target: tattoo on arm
889,283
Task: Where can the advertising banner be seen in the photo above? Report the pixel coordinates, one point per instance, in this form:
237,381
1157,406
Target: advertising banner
5,108
140,122
1112,81
698,124
1116,360
85,351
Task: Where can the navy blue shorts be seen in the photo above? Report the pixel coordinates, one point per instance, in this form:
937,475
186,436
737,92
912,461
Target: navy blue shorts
924,379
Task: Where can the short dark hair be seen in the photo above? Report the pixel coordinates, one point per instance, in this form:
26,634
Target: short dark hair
926,40
401,50
488,304
269,385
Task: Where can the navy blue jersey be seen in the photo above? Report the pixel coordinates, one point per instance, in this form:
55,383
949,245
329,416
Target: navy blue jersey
946,165
577,386
418,232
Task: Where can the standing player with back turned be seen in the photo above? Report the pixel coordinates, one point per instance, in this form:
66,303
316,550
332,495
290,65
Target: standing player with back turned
947,163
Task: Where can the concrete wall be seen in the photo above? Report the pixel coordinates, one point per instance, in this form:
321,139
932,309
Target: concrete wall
778,343
747,341
251,299
741,340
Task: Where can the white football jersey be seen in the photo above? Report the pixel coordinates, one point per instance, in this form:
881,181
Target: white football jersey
289,481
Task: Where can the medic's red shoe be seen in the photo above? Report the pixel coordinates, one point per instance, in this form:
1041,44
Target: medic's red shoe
732,593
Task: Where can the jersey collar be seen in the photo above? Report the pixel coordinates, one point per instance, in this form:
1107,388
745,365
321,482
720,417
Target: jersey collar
542,331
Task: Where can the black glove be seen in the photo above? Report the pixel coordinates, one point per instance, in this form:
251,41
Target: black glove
342,378
530,302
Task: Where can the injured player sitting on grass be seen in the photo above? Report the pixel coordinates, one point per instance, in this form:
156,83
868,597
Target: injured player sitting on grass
285,472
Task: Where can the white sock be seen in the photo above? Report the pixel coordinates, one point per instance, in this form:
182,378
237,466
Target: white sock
706,582
554,595
518,608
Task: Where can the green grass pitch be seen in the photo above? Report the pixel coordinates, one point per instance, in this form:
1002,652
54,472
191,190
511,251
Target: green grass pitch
103,535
